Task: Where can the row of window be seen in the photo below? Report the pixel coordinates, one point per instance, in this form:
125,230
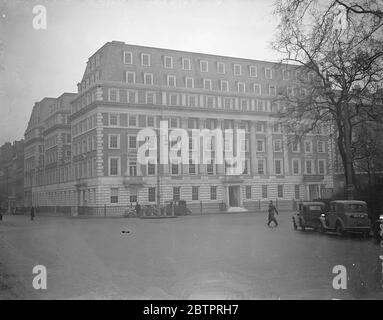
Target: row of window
207,84
195,193
176,168
205,65
114,143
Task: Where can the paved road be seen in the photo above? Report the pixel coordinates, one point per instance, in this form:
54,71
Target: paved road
228,256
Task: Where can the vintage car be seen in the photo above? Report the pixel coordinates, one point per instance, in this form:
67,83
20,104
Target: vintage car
308,215
377,229
346,216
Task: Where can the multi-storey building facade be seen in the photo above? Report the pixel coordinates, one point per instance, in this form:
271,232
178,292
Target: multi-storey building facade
126,88
12,175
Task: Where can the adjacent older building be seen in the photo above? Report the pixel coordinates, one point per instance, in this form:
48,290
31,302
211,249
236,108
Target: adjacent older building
12,175
126,88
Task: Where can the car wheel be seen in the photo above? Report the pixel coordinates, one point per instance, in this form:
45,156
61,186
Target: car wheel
303,227
339,229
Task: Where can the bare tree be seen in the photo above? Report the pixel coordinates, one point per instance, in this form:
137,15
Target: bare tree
338,62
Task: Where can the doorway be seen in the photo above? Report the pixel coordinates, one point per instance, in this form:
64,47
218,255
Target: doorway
234,196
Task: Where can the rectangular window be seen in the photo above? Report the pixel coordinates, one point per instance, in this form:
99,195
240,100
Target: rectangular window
260,145
272,91
309,167
260,126
150,121
168,62
173,123
151,169
261,166
295,146
113,119
296,169
321,146
151,194
244,104
264,191
209,102
132,120
171,80
173,99
192,101
257,89
176,193
207,84
203,65
280,190
148,78
224,85
175,170
132,165
286,74
252,71
296,191
113,94
237,69
186,65
210,168
130,77
192,166
227,103
268,73
278,166
150,97
114,141
213,193
241,87
132,142
131,96
189,82
145,59
220,67
322,166
114,195
133,196
114,164
248,192
195,193
308,146
277,146
128,57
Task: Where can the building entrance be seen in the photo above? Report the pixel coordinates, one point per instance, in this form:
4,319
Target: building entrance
234,196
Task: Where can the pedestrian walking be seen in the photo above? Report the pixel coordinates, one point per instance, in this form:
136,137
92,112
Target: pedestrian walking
32,213
272,211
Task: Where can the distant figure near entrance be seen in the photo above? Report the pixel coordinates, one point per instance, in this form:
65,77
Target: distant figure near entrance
32,213
272,211
138,209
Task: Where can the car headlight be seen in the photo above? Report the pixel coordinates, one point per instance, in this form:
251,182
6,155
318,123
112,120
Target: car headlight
381,217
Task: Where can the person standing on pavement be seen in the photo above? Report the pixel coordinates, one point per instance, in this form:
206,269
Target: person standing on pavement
272,211
32,213
138,209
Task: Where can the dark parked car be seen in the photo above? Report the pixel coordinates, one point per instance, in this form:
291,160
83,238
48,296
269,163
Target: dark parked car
346,216
308,215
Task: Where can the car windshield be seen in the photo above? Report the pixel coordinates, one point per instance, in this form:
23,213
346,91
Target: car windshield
315,208
353,207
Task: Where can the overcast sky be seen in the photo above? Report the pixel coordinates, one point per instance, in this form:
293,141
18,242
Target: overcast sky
45,63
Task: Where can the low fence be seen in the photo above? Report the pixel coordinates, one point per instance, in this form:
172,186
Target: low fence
196,208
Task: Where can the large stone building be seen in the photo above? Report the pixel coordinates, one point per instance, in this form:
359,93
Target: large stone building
12,175
126,88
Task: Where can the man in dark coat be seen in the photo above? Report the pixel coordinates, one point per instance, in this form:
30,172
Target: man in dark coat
32,213
272,211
